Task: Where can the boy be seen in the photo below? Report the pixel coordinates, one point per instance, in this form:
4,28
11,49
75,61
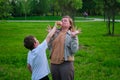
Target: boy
37,61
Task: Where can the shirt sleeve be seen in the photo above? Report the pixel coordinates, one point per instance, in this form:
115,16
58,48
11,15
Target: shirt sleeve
28,59
43,45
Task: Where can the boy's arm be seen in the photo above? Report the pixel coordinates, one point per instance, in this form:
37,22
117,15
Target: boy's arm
50,34
29,68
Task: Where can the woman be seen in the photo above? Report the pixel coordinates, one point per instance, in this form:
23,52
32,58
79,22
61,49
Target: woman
63,45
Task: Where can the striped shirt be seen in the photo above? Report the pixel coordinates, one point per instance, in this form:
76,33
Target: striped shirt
38,61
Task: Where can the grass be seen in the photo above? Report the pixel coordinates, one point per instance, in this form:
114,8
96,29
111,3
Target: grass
97,59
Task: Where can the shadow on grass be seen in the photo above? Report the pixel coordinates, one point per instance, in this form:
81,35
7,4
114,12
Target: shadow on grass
112,35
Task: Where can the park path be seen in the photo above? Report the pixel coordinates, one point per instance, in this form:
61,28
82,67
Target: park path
87,20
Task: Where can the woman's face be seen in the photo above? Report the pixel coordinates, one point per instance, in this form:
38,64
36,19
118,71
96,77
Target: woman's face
65,22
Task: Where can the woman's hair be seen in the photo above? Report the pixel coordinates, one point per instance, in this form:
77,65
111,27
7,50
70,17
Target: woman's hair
71,22
29,42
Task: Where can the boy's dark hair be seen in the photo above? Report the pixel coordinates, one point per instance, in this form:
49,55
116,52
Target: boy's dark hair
29,42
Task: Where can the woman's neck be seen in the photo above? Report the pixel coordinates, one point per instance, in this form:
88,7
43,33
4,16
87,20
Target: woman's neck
65,29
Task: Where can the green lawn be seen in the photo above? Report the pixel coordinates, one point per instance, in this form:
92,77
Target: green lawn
97,59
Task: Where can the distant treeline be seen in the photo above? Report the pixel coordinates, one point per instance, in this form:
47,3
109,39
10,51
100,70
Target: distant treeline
17,8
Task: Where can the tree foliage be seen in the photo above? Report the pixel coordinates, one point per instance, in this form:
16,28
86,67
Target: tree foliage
89,7
16,8
5,9
40,7
70,6
58,7
25,7
21,7
111,8
55,8
30,7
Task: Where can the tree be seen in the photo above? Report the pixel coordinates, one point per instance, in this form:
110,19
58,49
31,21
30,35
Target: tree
55,8
89,7
70,6
16,8
111,7
26,7
40,7
21,7
5,9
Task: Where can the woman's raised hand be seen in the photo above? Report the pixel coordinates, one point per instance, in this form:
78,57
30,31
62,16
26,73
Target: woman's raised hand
75,32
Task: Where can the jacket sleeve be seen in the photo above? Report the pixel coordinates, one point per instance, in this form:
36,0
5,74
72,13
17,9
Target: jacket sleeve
50,45
50,42
74,44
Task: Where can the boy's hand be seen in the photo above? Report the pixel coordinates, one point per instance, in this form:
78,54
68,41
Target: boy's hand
49,28
57,23
51,32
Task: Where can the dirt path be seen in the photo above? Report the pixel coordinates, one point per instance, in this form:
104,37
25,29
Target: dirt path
87,20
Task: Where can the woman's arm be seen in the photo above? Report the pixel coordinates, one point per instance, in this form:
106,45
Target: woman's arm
74,41
74,44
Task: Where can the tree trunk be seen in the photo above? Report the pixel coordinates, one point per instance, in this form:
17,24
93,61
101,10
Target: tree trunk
108,25
104,12
25,14
113,21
